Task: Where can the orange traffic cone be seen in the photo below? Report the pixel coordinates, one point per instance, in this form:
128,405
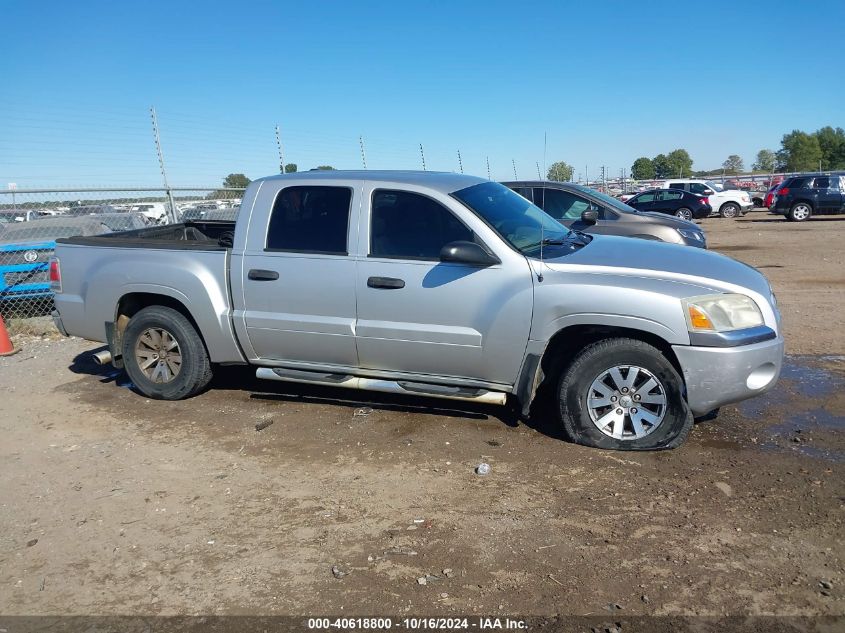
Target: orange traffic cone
6,347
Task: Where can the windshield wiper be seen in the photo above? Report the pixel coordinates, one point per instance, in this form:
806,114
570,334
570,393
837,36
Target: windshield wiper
549,241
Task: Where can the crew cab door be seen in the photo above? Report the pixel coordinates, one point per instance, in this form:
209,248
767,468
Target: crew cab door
419,315
293,286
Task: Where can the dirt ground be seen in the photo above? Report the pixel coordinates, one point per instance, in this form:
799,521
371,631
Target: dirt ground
114,504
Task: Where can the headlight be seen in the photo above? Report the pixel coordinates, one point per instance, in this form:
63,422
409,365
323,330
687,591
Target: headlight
691,234
721,313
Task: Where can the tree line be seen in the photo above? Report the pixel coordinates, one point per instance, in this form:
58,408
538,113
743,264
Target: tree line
822,150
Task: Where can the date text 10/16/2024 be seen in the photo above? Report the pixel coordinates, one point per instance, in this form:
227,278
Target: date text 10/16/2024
379,624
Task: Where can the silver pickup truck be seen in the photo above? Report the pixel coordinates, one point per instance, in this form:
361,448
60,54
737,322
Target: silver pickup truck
428,284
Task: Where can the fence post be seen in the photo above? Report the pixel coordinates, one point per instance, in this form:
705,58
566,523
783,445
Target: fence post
172,214
281,155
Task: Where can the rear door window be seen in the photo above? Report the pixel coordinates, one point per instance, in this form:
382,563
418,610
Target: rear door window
821,183
406,225
697,187
671,195
310,219
681,185
797,183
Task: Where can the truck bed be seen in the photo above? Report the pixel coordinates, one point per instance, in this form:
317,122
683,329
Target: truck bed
195,235
185,263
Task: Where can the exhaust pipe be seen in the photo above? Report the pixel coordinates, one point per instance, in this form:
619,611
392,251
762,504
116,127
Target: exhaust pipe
102,358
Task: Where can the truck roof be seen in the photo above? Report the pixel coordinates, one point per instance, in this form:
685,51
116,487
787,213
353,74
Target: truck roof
444,182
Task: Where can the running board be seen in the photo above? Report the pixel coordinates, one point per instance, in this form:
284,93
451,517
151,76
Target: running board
387,386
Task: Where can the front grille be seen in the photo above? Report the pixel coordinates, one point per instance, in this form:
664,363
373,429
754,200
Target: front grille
27,277
9,258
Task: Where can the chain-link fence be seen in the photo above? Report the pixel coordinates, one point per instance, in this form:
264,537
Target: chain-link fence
31,220
753,183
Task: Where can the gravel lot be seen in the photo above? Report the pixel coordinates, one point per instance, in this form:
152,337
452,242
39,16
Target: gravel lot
115,504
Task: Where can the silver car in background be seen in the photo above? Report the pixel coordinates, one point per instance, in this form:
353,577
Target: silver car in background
567,203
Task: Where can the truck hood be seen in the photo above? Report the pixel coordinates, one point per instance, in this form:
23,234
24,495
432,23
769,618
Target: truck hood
622,256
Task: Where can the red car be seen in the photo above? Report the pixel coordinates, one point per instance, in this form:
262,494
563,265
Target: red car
770,195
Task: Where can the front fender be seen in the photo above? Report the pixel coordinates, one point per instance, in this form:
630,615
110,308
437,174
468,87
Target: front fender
621,321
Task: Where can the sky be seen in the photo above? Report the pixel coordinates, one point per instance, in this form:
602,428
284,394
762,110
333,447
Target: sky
602,82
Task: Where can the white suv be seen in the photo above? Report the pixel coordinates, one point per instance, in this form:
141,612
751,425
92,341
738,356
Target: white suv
728,204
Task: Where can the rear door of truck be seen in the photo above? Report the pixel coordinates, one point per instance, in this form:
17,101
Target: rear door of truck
294,282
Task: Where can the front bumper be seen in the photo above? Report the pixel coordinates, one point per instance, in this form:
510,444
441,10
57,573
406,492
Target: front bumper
716,376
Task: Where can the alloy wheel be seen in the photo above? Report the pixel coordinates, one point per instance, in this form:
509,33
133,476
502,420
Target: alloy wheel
801,212
158,355
627,402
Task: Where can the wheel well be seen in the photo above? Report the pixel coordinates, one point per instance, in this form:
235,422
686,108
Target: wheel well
733,202
566,343
132,303
809,203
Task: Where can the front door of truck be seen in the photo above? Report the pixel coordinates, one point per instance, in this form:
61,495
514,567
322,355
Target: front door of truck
419,315
296,277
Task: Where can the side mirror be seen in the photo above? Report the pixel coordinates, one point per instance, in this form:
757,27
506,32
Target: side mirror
590,217
462,252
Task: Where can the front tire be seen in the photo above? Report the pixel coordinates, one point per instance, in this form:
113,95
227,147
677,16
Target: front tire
684,213
800,211
623,394
164,355
729,210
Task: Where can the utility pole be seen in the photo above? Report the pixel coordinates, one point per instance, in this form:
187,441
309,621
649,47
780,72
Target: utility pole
586,177
363,155
545,146
422,155
539,177
515,177
460,162
172,214
279,146
488,168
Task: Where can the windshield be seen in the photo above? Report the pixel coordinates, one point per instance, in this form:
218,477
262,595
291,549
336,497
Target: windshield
713,185
609,201
519,222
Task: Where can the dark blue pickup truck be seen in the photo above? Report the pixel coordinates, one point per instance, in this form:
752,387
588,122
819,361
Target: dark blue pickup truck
800,197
